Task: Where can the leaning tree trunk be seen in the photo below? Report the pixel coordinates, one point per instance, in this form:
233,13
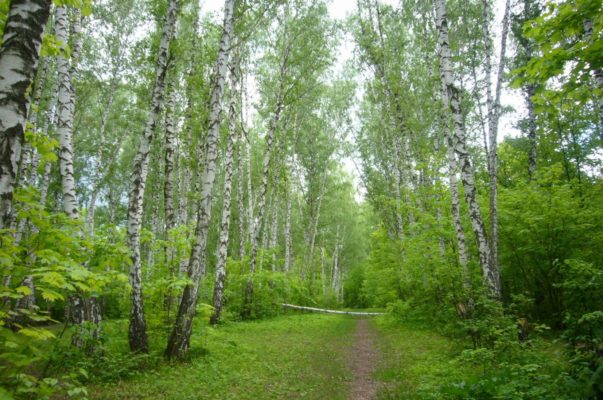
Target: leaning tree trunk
18,64
137,332
179,340
453,101
218,297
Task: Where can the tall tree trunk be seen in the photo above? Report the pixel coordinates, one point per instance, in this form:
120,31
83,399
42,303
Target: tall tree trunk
137,333
168,184
240,196
315,221
456,206
323,275
28,156
170,148
335,269
530,91
66,106
274,231
288,238
49,123
452,100
100,161
179,340
18,65
80,309
246,312
250,213
218,297
493,121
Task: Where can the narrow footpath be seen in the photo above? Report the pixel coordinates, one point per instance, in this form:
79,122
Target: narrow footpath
363,362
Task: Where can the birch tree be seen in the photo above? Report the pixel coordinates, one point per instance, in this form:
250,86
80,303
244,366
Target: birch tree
19,56
453,102
218,297
179,340
137,330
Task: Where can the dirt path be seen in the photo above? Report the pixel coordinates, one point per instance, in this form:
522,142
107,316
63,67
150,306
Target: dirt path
363,361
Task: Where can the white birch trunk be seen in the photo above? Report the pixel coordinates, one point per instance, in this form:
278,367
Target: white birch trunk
137,330
19,55
288,238
323,274
250,213
452,100
493,121
218,297
179,340
66,108
240,196
274,231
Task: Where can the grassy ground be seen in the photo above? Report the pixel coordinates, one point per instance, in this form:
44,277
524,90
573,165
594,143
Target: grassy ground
413,359
418,363
297,356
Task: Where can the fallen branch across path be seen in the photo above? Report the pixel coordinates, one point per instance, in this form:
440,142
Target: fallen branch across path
365,314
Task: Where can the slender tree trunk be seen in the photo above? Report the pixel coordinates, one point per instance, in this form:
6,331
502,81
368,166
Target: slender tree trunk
96,187
240,196
250,213
335,269
168,184
493,121
316,219
288,238
452,100
66,106
274,231
179,340
80,309
456,206
28,153
323,275
246,312
50,121
19,55
170,148
137,332
530,91
264,225
398,185
218,297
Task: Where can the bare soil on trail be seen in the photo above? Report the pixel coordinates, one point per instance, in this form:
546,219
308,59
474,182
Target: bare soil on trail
363,362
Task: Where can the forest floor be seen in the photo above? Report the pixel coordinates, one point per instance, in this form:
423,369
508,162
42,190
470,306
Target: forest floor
296,356
290,357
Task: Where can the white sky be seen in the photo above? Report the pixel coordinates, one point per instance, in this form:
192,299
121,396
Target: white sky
339,9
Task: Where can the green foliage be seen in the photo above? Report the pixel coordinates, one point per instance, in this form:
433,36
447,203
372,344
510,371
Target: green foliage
60,262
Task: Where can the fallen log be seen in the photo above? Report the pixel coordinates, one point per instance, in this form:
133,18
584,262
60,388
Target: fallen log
313,309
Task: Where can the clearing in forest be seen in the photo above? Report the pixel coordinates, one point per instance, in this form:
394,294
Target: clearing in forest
292,357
